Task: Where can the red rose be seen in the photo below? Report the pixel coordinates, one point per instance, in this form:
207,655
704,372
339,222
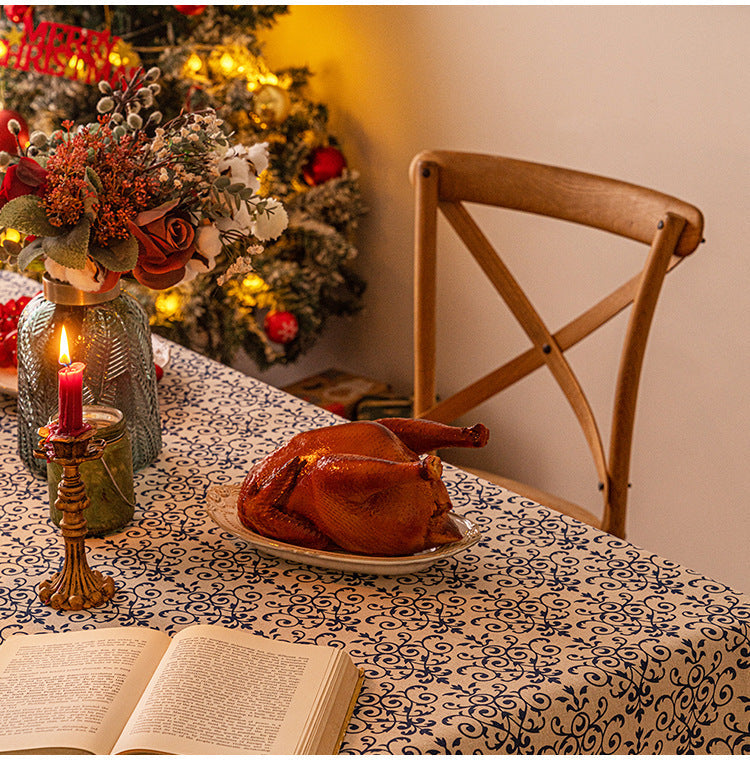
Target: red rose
165,245
22,179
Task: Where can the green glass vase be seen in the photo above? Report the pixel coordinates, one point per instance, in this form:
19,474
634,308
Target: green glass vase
110,333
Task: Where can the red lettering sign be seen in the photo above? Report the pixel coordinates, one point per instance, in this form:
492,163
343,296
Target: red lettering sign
62,50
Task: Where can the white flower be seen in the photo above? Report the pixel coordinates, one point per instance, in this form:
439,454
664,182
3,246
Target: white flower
257,155
88,279
244,165
239,223
207,247
270,223
208,241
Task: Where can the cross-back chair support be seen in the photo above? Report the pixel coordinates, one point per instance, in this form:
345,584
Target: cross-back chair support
445,180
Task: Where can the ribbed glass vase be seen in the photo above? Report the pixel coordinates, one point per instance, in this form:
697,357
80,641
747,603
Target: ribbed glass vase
110,333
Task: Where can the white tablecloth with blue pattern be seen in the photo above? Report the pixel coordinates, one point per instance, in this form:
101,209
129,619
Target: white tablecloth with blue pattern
546,637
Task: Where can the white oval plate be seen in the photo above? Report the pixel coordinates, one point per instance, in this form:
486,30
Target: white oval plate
222,508
9,381
9,375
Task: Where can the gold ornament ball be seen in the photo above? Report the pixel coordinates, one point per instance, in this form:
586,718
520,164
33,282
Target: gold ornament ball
271,104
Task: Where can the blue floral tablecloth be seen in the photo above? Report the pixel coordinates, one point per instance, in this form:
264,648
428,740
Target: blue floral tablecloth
546,637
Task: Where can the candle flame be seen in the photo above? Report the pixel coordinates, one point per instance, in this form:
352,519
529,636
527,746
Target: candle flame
64,350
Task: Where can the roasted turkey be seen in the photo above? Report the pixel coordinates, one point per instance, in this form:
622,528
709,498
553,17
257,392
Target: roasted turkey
365,487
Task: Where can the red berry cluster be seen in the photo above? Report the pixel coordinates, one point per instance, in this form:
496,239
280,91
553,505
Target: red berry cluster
9,313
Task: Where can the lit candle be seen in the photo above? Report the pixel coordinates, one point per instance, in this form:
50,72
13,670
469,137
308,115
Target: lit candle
70,392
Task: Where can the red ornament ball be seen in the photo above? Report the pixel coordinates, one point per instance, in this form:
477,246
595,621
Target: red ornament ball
325,164
7,140
191,10
281,327
15,13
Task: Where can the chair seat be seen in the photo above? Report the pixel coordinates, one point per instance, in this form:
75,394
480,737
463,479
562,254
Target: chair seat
537,495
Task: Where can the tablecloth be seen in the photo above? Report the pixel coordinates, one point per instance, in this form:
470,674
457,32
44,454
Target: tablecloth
546,637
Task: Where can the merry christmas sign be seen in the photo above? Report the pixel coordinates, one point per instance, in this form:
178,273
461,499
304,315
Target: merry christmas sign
62,50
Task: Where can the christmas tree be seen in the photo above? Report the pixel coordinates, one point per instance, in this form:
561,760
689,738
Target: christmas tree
277,304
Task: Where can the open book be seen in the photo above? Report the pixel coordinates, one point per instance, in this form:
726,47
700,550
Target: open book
207,690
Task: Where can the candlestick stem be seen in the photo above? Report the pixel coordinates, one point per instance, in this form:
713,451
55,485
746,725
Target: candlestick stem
76,586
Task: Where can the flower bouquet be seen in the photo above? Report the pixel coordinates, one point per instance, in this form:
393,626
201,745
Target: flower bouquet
127,196
122,198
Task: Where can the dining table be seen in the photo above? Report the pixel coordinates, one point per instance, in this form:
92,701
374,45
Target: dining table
542,635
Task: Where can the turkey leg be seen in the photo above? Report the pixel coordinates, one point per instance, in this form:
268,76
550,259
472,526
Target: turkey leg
422,436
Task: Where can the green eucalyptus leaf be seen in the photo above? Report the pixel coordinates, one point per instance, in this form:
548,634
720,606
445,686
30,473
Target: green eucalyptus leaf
69,249
118,257
26,214
29,253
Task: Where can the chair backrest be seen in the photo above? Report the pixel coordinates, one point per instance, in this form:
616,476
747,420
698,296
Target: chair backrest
444,180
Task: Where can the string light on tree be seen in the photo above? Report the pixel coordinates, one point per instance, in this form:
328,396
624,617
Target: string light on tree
168,305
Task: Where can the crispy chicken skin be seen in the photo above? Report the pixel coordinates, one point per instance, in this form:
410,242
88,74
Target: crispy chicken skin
366,487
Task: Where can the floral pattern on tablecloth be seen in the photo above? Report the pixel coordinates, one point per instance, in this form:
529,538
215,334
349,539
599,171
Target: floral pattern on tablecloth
546,637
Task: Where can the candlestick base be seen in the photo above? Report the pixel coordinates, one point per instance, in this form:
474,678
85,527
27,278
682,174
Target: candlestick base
76,586
67,590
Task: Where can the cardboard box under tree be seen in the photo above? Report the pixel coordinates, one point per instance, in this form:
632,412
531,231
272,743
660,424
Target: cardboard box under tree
343,393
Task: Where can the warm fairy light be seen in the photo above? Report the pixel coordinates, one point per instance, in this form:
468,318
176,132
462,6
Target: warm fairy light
76,66
64,350
123,54
253,291
167,304
263,79
10,234
254,283
227,64
194,64
195,68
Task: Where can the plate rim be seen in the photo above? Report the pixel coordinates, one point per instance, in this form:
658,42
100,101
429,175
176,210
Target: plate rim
9,381
218,495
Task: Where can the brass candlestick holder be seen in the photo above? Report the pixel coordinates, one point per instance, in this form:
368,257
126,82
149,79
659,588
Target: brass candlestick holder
76,586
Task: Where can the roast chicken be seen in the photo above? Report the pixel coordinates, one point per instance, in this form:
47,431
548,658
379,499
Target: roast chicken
367,487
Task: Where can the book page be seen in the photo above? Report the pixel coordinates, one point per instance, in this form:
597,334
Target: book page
73,690
220,691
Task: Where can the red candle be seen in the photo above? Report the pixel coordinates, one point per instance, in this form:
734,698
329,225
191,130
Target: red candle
70,392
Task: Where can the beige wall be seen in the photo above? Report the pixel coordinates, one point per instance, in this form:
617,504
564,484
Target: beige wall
659,96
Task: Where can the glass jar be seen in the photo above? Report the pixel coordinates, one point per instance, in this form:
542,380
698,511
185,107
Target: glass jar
110,333
108,480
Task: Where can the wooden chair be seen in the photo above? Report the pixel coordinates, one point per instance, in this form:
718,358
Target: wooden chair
671,228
